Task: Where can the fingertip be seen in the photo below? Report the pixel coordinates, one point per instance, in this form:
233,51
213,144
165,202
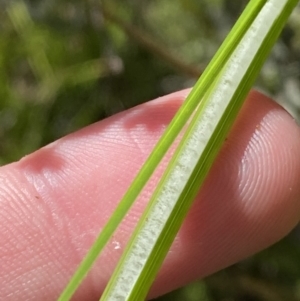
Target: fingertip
250,199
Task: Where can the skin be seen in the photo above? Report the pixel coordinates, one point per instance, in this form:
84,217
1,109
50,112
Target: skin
55,201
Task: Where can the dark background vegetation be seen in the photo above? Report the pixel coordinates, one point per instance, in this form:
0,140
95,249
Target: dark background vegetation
67,63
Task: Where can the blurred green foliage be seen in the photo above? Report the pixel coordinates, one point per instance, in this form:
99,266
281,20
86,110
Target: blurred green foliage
65,64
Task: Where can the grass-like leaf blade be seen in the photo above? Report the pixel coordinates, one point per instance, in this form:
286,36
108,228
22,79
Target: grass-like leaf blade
195,155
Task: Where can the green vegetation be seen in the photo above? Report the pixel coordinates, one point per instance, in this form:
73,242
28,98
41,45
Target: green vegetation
65,64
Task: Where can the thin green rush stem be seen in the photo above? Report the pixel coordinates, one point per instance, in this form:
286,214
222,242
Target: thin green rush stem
120,284
176,125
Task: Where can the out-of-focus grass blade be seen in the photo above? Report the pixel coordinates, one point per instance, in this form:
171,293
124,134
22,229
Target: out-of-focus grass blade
193,158
181,118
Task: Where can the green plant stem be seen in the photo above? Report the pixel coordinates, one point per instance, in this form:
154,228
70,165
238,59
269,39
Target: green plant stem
172,131
195,155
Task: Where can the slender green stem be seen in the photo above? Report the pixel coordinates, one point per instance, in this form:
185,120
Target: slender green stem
194,157
181,118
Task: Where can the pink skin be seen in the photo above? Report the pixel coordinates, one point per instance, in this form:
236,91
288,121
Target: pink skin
56,200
